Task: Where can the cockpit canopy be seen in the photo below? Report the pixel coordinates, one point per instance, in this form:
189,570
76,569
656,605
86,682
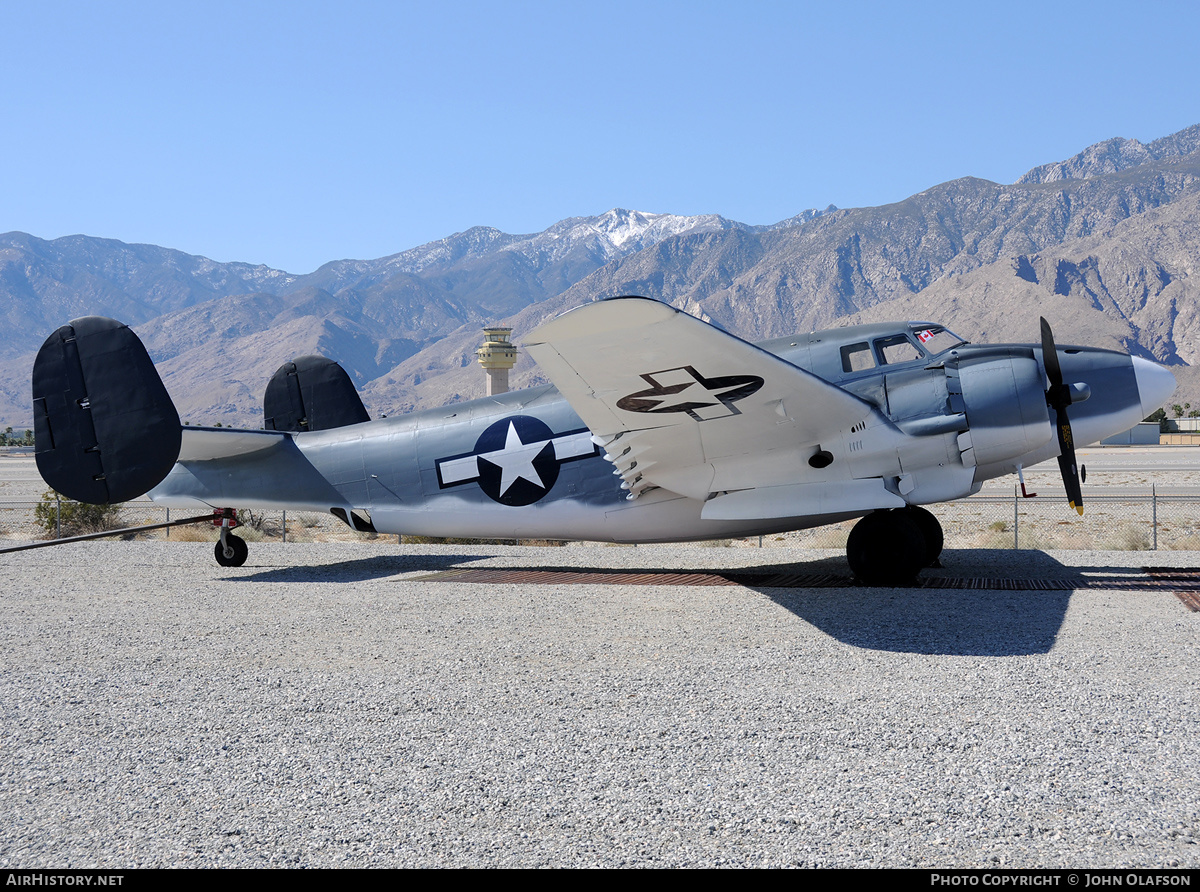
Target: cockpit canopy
922,341
847,352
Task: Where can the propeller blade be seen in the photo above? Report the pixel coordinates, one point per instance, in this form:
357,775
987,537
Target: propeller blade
1066,462
1050,356
1058,397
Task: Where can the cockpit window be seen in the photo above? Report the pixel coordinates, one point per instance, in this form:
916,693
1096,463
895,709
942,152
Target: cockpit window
935,339
896,349
857,357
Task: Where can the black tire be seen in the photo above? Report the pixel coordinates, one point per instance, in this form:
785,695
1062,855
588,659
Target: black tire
930,529
239,548
886,548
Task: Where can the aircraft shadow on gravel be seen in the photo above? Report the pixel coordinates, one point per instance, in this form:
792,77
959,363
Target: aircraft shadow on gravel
378,567
975,613
928,619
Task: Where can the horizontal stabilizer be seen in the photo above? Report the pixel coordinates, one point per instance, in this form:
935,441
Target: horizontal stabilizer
209,443
311,393
105,428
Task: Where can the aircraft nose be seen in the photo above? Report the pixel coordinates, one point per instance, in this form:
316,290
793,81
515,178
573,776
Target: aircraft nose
1154,384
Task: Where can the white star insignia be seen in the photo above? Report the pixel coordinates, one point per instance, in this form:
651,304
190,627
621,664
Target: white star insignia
667,401
515,460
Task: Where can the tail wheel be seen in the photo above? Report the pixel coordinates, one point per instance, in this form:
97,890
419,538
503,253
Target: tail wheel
232,552
886,548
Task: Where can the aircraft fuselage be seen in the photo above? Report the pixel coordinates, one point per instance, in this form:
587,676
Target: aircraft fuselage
523,464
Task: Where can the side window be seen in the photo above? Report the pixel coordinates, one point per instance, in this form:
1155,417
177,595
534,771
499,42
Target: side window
857,357
896,349
936,339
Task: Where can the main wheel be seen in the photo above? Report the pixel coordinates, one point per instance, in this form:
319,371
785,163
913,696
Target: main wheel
930,529
886,548
237,548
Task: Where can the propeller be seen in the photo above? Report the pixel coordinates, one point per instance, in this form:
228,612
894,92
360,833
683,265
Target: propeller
1058,397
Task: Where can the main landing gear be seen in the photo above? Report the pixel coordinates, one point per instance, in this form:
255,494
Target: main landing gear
231,550
892,547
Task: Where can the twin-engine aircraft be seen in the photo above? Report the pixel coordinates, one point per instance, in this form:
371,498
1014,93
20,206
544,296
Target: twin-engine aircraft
659,428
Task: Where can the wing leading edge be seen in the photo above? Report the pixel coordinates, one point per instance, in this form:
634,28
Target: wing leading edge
681,405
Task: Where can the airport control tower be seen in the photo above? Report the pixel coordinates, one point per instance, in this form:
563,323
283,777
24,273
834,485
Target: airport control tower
497,356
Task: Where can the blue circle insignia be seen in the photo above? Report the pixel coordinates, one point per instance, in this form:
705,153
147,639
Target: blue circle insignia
517,465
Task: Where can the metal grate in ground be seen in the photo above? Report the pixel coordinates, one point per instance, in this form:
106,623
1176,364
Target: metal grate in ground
1185,583
1184,580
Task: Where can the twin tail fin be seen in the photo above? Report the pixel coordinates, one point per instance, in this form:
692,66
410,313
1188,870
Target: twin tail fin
105,429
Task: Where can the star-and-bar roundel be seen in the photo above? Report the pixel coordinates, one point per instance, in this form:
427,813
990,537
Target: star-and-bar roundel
516,460
685,390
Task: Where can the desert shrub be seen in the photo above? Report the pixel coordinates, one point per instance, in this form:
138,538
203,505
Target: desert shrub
260,522
830,536
1129,537
196,532
57,513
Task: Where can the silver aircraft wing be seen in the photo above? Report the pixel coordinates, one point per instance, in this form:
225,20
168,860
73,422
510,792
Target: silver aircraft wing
679,404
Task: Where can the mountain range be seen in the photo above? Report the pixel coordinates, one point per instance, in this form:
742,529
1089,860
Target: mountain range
1103,244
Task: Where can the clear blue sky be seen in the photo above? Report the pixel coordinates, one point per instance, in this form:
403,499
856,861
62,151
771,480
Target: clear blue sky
296,133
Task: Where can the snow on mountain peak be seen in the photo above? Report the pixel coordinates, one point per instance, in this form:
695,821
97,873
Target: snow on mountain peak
624,230
615,233
620,226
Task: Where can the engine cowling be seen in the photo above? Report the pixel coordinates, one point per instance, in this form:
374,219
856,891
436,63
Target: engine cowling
1004,398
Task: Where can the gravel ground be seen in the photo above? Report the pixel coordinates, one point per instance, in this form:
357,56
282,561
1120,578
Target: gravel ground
324,706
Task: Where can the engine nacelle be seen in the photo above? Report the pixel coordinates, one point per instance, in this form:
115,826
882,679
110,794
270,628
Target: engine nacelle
1004,398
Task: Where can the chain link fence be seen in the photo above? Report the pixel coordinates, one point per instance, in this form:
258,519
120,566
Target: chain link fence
1123,519
19,522
1116,519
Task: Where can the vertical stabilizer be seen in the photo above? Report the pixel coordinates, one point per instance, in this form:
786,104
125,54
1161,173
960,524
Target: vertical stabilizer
105,428
311,393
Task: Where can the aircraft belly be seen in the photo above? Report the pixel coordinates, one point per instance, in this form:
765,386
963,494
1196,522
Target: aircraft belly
462,516
681,520
844,496
658,516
